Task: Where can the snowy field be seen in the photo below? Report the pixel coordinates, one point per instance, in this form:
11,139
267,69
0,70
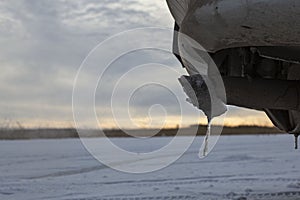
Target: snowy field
239,168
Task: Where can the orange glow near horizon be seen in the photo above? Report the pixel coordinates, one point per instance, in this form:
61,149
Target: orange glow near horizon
171,122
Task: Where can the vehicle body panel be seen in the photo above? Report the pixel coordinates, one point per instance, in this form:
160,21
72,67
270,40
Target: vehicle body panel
270,28
221,24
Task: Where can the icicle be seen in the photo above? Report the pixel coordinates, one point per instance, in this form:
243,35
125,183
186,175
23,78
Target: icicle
296,140
206,140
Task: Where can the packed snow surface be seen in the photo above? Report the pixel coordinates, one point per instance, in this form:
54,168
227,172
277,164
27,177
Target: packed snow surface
239,168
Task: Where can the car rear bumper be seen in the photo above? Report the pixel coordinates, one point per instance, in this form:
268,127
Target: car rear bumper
222,24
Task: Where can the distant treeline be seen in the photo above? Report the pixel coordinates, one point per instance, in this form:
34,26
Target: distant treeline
48,133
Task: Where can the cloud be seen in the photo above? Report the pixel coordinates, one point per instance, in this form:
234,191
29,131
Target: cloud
42,44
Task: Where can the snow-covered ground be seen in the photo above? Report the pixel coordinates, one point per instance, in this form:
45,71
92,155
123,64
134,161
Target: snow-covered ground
239,168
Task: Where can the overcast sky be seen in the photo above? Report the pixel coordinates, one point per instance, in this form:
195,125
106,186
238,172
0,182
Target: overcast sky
43,43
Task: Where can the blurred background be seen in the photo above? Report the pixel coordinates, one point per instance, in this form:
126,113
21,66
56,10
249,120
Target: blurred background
42,45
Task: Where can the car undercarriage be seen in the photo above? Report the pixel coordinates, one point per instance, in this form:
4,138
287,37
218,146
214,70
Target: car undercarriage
255,45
